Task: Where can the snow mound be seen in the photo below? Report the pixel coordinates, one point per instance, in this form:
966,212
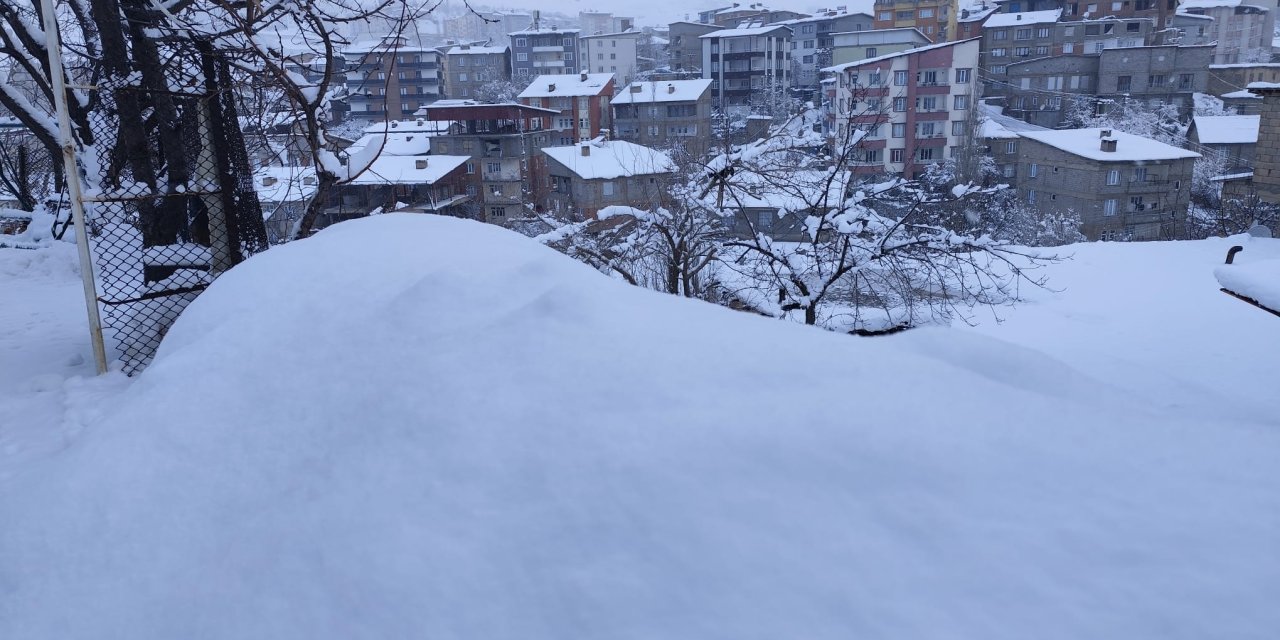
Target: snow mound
410,426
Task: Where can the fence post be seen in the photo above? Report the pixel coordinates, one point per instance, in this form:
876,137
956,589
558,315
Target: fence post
71,168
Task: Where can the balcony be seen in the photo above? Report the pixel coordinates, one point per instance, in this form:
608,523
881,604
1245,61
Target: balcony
548,49
558,64
501,176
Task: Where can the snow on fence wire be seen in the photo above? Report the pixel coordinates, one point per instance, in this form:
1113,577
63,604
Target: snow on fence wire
168,209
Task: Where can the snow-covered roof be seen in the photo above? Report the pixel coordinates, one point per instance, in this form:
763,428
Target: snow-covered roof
284,184
473,50
889,56
397,143
801,190
568,85
606,160
1227,129
408,169
630,33
1208,4
1087,143
976,11
1264,86
1247,65
1022,18
419,125
1232,176
668,91
999,126
544,30
823,15
1194,16
748,31
1243,93
1259,281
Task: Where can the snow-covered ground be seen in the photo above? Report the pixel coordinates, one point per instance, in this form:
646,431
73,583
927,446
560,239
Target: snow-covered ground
464,434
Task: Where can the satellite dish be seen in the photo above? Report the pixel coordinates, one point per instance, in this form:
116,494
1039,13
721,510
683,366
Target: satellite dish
1259,231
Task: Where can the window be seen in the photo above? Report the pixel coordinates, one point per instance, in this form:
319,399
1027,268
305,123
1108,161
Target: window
899,130
1135,202
613,56
962,76
886,15
926,129
1091,8
1098,47
925,154
522,42
875,79
1022,52
999,69
1140,174
926,13
895,155
568,56
1007,170
599,56
1042,51
497,212
927,78
957,128
606,188
871,52
1068,31
899,104
1124,83
1034,170
493,167
522,57
806,59
808,44
471,190
1011,147
1042,32
1116,6
1031,196
929,103
471,167
462,77
1113,177
808,28
1022,34
999,34
960,102
1068,47
1185,80
900,78
568,42
999,52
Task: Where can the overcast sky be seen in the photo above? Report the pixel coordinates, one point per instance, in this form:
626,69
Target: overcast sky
655,12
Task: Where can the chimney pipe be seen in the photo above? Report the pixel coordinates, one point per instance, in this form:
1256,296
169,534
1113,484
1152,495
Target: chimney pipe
1105,133
1109,145
586,150
421,163
268,181
671,88
584,76
635,88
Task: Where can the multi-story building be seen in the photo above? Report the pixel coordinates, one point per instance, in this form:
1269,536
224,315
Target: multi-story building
742,63
813,40
544,51
391,80
685,44
589,176
1124,187
861,45
906,110
738,14
1233,139
581,103
611,53
468,68
485,26
505,169
596,22
1155,75
675,113
1225,78
972,16
1243,32
936,19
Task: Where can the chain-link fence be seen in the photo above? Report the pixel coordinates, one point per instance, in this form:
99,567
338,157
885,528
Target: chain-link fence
170,203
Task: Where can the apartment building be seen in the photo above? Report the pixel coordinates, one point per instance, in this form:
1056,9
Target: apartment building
581,102
614,53
1233,139
673,113
597,22
485,26
502,142
972,16
1226,78
544,51
389,79
685,45
861,45
589,176
813,39
742,63
936,19
906,110
468,68
1124,187
1242,32
737,14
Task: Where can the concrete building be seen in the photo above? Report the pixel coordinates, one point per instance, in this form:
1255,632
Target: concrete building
581,102
936,19
1241,103
907,110
685,44
1124,187
1155,75
675,113
742,63
411,184
754,14
1243,32
1008,38
597,22
611,53
1190,29
391,80
486,26
544,51
972,16
502,141
1226,78
1234,139
1041,91
1264,181
589,176
813,40
468,68
861,45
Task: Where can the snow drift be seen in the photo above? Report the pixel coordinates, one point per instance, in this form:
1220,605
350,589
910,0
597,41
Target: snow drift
411,426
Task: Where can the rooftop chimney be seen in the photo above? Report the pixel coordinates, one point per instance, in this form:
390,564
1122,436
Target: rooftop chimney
420,163
586,150
1105,133
551,87
1019,16
308,179
1109,145
671,88
635,88
268,181
584,76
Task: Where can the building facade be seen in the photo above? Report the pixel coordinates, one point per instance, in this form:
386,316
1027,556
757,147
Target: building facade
544,51
685,45
936,19
587,177
861,45
469,68
742,63
813,41
391,80
614,53
675,113
1242,32
907,110
1124,187
1155,75
581,102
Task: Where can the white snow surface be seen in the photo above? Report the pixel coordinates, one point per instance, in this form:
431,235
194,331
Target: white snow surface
401,463
569,85
1086,143
611,159
1258,280
1227,129
666,91
1001,20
